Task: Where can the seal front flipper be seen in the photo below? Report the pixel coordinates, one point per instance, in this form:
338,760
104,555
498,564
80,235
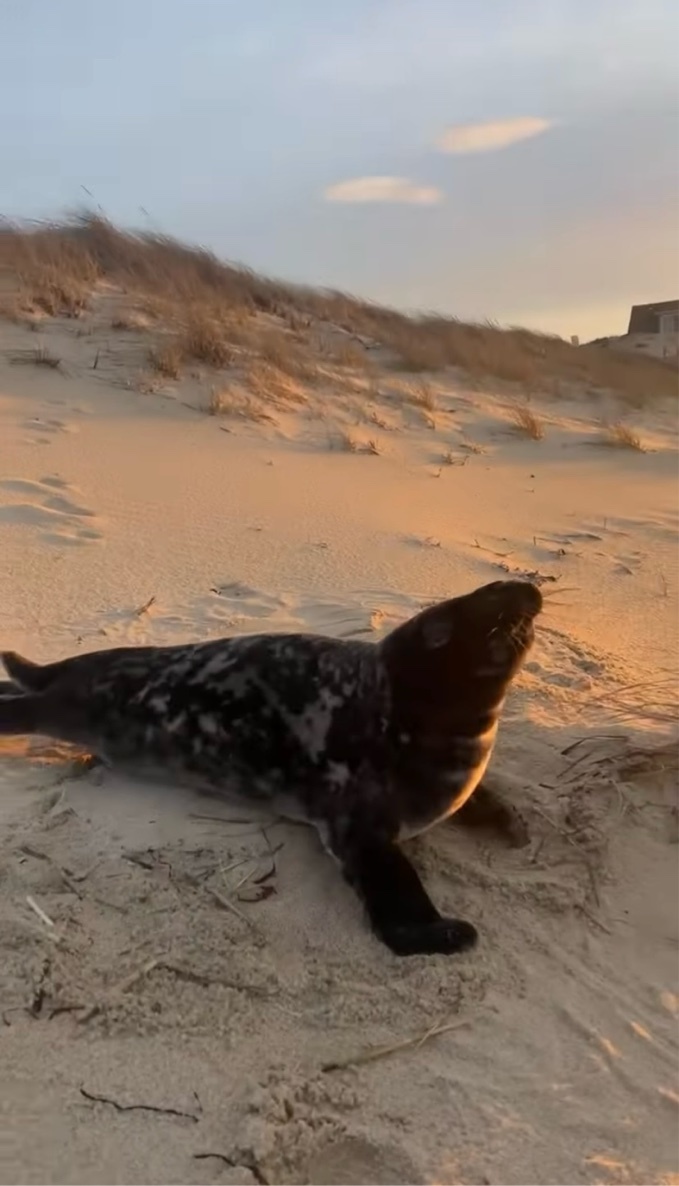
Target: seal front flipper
400,911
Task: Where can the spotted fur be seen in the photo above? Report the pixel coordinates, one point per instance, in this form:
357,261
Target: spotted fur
372,743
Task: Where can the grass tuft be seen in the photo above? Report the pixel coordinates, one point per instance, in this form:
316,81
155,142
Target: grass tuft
166,360
621,436
58,264
41,356
203,341
526,423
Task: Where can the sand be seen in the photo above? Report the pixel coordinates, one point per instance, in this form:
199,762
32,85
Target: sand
175,989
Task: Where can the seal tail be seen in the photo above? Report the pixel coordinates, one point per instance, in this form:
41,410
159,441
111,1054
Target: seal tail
32,677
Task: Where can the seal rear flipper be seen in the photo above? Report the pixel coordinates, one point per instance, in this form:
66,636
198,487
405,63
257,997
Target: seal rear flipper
32,677
401,912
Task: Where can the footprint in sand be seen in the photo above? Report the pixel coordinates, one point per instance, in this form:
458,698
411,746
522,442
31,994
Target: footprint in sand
351,1160
56,515
568,664
46,428
49,425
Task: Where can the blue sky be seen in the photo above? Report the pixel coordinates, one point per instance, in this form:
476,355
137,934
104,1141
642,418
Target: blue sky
515,159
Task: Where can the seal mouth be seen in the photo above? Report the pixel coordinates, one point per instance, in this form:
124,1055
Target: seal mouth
514,602
506,618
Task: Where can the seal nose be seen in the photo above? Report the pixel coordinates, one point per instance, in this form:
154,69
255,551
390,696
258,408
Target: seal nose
516,597
531,597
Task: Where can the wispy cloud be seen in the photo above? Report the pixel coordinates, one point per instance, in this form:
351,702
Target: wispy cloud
486,137
383,189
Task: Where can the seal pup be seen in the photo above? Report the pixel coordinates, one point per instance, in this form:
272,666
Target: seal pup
371,742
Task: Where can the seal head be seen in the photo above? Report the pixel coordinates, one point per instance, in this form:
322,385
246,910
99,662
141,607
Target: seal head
449,670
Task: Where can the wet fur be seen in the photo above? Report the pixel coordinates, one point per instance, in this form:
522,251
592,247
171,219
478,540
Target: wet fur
372,743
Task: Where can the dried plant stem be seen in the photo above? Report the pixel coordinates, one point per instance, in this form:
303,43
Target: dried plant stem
375,1052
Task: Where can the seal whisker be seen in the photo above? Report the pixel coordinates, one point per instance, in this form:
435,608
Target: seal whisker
549,593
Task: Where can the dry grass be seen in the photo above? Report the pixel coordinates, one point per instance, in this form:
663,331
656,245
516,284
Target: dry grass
346,353
423,395
621,436
57,265
200,341
13,309
221,402
233,402
345,441
379,421
41,356
281,351
526,423
59,296
268,382
472,447
132,321
166,359
203,341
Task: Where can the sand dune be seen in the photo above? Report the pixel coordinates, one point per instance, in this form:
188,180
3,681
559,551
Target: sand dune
153,1034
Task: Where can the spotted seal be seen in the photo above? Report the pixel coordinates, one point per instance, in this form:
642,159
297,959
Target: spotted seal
371,742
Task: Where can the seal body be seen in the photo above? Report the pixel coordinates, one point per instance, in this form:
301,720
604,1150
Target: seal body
372,743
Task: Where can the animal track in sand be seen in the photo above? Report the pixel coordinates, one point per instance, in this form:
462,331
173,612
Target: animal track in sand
48,425
236,608
56,515
565,662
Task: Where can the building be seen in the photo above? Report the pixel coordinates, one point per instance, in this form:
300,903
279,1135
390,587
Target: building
661,317
653,329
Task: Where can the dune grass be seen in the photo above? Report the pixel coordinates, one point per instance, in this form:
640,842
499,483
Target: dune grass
56,266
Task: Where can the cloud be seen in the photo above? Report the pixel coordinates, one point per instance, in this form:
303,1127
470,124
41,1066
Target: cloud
383,189
489,136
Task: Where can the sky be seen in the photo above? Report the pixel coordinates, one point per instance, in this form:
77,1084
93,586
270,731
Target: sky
510,159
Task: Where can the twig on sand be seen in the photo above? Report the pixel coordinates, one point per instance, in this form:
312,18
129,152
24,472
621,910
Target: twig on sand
225,903
593,918
98,1098
129,981
492,551
221,819
49,922
121,987
220,899
67,878
139,859
237,1163
375,1052
557,827
144,609
205,980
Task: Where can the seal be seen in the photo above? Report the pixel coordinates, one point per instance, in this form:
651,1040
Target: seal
372,743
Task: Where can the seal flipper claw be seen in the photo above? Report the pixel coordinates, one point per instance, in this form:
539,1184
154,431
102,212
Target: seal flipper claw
400,911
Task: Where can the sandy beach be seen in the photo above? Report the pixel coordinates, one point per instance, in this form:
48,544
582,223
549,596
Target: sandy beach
188,991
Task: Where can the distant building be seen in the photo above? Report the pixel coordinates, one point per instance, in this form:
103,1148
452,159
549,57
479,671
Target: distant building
653,329
661,317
